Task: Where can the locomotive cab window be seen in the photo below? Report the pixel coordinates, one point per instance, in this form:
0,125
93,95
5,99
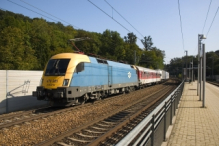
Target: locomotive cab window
79,67
57,67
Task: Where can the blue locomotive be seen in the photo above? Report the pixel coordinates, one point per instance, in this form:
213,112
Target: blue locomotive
71,78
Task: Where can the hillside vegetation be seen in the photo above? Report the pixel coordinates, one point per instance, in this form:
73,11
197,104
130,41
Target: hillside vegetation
27,44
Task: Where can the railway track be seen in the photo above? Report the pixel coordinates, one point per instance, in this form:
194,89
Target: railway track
101,131
11,118
21,117
115,135
214,83
25,117
52,124
19,113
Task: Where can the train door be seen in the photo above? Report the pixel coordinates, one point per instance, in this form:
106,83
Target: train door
110,76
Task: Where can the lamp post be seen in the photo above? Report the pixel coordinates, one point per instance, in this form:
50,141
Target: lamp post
200,38
204,74
190,66
186,65
182,70
192,69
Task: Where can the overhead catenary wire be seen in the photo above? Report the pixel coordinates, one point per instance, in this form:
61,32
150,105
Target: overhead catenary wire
204,22
123,18
49,14
206,16
32,10
212,21
181,24
3,9
111,17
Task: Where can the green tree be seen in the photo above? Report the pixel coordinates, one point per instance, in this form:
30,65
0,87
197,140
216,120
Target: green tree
15,50
40,41
147,42
133,52
30,43
153,58
130,38
112,45
212,61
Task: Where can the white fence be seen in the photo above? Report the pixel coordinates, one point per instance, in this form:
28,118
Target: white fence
16,90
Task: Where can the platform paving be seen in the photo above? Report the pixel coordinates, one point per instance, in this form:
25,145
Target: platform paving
195,125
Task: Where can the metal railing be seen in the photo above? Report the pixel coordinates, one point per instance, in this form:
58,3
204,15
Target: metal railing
151,131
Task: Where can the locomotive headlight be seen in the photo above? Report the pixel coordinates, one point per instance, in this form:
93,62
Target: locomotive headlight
41,82
65,82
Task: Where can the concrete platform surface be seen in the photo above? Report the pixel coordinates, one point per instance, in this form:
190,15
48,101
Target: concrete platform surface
195,125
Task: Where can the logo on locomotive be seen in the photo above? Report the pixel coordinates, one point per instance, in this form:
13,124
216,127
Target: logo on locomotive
129,75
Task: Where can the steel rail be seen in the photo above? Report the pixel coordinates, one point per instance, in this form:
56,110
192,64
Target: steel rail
166,104
128,120
70,132
18,113
42,115
35,117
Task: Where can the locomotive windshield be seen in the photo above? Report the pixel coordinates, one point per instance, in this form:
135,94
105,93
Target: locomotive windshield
57,67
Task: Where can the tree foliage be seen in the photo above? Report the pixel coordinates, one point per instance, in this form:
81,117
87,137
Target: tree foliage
147,42
177,65
27,44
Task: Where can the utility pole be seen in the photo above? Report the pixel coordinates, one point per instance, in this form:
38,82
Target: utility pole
182,70
200,74
204,74
186,63
190,66
200,38
192,70
135,57
198,80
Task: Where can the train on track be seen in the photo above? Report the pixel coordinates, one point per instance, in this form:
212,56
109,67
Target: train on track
71,78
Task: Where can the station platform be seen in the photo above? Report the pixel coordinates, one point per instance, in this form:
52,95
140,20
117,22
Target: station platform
193,124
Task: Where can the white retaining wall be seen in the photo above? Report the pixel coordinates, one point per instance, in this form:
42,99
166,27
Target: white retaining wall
16,90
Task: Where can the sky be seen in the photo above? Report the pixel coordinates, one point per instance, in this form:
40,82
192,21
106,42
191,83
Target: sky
158,18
